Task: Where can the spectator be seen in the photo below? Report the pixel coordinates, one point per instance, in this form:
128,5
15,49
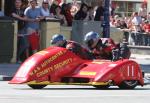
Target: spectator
146,26
60,16
53,7
91,13
25,4
45,8
67,13
112,11
126,19
112,22
136,22
116,17
146,30
22,42
74,8
117,23
143,11
123,24
99,16
33,17
136,28
82,14
63,5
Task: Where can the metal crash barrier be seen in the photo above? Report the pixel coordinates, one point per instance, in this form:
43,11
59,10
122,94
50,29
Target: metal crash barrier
80,28
138,38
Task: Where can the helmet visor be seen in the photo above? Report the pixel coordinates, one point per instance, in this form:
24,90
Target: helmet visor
89,43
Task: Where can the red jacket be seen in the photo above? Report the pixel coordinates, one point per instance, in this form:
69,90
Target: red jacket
103,49
146,28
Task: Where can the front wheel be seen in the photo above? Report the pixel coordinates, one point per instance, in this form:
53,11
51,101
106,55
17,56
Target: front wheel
33,86
128,84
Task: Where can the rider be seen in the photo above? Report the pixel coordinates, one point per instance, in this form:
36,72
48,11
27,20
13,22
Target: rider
95,44
104,48
60,41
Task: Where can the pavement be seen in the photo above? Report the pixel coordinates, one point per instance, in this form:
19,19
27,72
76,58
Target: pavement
139,56
7,71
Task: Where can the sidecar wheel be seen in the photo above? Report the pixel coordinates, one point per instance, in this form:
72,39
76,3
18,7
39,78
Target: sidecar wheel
128,84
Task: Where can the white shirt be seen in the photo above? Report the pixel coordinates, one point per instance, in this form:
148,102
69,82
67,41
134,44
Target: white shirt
45,12
137,20
143,12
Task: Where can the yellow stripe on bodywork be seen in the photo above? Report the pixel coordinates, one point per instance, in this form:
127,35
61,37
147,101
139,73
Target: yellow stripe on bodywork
42,52
60,83
98,62
87,73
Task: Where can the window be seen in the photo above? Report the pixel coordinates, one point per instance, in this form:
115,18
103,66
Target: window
125,8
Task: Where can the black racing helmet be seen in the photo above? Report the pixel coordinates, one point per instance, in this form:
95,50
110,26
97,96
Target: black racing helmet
90,38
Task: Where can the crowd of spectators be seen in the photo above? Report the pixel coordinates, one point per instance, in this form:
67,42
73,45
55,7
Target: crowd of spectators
30,15
136,27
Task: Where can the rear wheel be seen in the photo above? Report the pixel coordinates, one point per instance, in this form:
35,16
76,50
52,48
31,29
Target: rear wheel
128,84
101,86
33,86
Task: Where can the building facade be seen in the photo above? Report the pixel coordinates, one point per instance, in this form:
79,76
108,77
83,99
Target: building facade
124,7
127,7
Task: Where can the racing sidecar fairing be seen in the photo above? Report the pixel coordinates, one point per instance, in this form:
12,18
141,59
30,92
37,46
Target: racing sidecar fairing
56,65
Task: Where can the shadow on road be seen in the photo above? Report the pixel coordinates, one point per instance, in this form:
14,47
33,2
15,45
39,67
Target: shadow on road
111,88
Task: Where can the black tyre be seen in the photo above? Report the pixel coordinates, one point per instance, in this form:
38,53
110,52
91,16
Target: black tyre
101,86
36,86
128,84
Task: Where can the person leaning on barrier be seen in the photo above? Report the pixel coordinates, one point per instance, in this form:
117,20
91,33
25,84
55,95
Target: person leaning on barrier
22,43
82,14
33,17
146,27
60,41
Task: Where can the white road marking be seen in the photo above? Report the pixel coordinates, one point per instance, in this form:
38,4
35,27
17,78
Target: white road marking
95,96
